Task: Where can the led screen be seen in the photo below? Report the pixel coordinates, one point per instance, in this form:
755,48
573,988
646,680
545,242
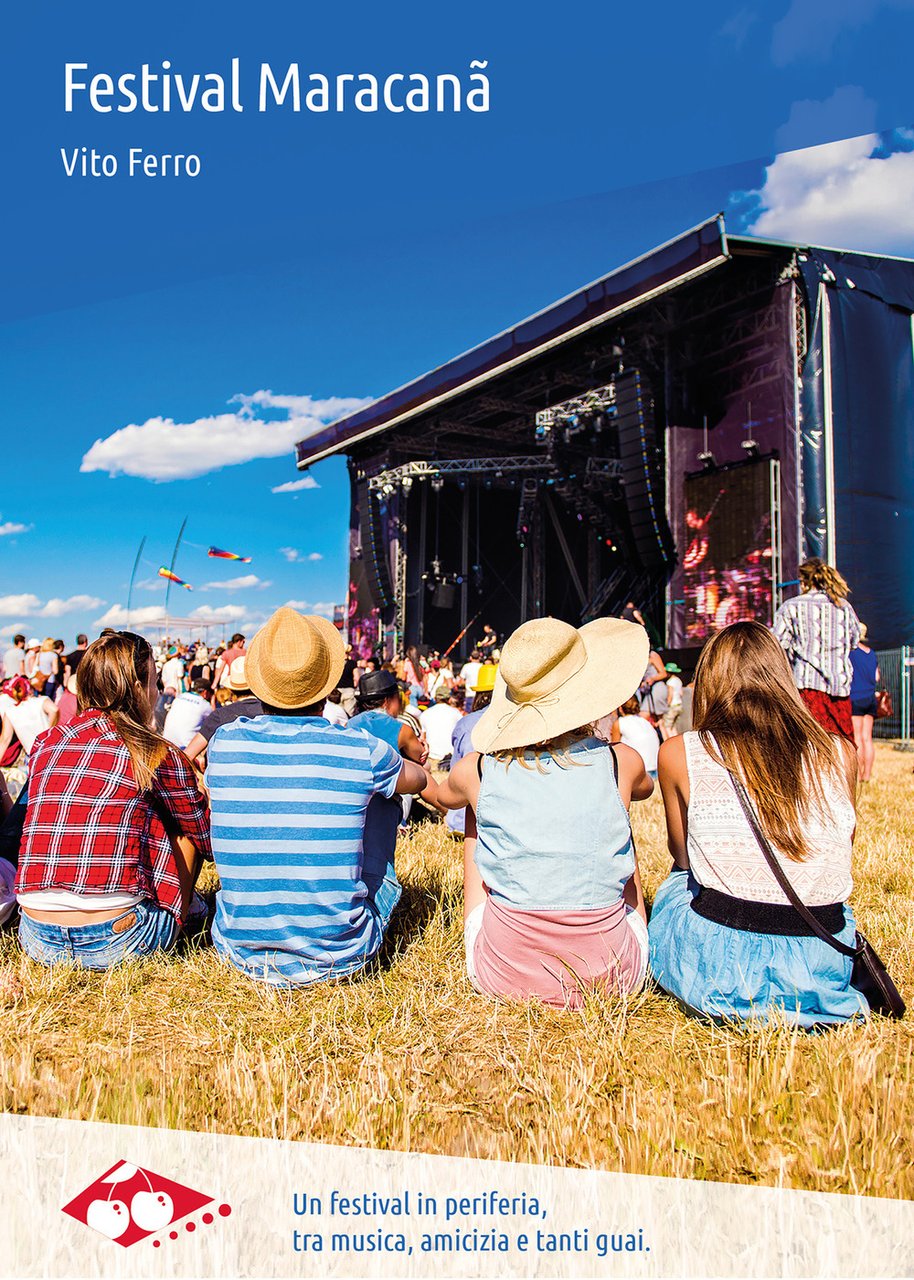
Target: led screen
727,550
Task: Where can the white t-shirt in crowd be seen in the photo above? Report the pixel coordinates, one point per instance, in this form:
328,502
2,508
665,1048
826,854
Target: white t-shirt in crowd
184,718
439,723
674,692
642,736
172,673
469,674
29,718
13,662
335,713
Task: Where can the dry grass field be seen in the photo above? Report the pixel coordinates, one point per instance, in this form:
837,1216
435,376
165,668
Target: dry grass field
408,1057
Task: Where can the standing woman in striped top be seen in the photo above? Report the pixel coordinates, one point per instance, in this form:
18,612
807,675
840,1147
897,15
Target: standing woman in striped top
817,630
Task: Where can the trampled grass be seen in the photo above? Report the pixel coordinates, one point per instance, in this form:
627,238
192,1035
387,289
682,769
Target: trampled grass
408,1057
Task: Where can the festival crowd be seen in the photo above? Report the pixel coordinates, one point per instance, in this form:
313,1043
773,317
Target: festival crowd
293,764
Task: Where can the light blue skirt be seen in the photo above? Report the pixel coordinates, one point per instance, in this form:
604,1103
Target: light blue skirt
727,973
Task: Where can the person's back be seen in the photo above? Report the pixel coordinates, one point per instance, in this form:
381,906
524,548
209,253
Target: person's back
864,668
640,734
817,631
301,898
439,722
30,718
725,939
552,896
724,853
185,716
288,798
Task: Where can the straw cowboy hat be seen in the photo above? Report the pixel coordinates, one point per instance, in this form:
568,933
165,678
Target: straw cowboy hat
552,679
294,660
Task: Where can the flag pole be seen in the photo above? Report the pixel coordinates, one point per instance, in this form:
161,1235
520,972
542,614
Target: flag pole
136,565
174,557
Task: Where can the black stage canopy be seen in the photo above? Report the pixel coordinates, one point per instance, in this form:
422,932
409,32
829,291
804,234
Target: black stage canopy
711,353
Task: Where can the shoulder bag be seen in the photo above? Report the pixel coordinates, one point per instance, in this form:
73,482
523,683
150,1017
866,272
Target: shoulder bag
868,974
884,706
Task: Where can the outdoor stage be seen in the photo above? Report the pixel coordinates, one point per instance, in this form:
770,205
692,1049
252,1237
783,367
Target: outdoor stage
681,433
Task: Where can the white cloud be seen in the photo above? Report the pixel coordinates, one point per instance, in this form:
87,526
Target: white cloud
294,556
245,582
324,607
850,194
292,486
26,604
847,113
10,527
56,608
29,606
149,615
12,628
810,28
263,426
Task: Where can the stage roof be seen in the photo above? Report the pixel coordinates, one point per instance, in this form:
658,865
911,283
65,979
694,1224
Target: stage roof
697,251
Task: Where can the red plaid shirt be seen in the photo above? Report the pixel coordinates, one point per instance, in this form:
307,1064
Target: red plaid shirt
87,828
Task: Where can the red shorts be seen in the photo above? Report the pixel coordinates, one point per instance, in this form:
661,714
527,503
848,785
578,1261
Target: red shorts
833,714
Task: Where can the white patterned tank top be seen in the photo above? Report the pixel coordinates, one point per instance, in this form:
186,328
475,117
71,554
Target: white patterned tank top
724,854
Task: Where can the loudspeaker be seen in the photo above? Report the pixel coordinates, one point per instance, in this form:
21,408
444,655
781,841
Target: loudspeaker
642,475
445,594
375,556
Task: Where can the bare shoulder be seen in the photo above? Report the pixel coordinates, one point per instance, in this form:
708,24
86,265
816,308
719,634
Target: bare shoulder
630,762
671,760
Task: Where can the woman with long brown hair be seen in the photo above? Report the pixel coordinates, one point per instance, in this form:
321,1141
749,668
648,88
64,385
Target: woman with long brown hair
724,938
817,630
115,823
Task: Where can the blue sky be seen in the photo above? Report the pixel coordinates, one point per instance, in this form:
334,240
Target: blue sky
319,260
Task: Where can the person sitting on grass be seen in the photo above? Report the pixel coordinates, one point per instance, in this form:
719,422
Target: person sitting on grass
115,824
379,704
233,700
725,940
460,738
552,896
303,899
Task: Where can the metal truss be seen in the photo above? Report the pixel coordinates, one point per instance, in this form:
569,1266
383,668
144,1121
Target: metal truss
403,476
593,401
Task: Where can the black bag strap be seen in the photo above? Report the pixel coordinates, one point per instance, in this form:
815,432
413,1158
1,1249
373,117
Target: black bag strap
615,764
778,872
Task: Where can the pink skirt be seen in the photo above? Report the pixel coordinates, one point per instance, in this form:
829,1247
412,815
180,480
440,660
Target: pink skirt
555,956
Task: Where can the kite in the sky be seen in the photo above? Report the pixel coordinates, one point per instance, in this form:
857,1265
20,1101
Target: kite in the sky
173,577
216,553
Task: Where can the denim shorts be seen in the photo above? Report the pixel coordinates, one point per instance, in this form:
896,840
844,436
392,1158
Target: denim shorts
141,930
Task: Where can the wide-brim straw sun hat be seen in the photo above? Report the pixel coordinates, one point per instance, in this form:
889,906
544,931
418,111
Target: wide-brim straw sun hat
553,679
294,660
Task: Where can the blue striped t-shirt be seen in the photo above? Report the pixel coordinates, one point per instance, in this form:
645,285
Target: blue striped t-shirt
288,796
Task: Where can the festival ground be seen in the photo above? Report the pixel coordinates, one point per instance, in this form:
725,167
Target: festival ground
408,1057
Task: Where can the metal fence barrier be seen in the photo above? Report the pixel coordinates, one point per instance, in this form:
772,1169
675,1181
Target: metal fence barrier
895,671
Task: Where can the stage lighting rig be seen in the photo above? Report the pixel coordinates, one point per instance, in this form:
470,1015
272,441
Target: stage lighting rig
592,411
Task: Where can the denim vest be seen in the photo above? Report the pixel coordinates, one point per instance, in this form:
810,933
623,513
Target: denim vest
557,840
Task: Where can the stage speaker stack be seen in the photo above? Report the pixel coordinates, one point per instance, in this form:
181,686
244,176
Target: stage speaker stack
642,475
375,556
445,595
